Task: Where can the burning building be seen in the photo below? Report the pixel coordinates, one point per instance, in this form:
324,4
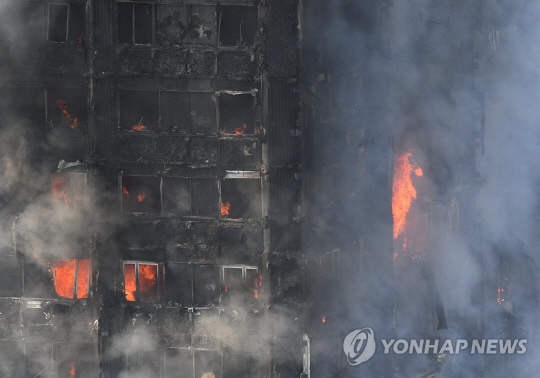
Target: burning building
219,189
165,243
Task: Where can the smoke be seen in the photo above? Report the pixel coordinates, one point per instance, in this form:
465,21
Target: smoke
456,82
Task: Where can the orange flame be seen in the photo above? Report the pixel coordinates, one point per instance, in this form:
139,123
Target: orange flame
72,370
139,127
60,190
240,130
324,319
141,196
130,282
125,191
147,278
73,121
237,131
500,295
84,278
225,209
64,277
403,190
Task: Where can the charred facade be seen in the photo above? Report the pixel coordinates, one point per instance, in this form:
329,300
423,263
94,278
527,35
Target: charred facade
167,242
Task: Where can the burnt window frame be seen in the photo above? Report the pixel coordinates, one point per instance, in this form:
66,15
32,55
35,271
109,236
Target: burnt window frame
160,281
245,287
218,27
153,26
70,174
160,127
70,27
75,280
48,21
241,175
193,359
256,125
83,125
121,194
332,265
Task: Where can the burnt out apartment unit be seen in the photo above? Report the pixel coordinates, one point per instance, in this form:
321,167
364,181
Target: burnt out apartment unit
151,191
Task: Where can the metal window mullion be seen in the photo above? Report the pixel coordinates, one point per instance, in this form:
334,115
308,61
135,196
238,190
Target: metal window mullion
67,22
76,278
133,24
137,296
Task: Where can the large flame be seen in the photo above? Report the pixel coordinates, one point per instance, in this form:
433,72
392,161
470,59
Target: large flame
64,278
225,209
147,280
403,190
73,122
130,282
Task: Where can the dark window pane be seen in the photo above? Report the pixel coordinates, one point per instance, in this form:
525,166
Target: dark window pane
58,17
12,359
139,110
66,108
38,360
233,286
176,196
175,111
178,363
238,25
178,284
236,115
143,23
125,23
204,197
241,366
207,364
205,284
76,23
141,194
241,198
202,113
23,106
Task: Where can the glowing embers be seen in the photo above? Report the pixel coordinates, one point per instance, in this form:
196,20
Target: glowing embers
139,110
403,190
503,283
69,189
72,278
241,285
236,114
66,108
241,195
237,25
141,194
143,281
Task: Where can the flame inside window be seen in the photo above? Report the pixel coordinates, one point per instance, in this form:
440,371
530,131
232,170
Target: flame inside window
141,281
72,278
69,189
130,282
70,121
403,190
236,114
